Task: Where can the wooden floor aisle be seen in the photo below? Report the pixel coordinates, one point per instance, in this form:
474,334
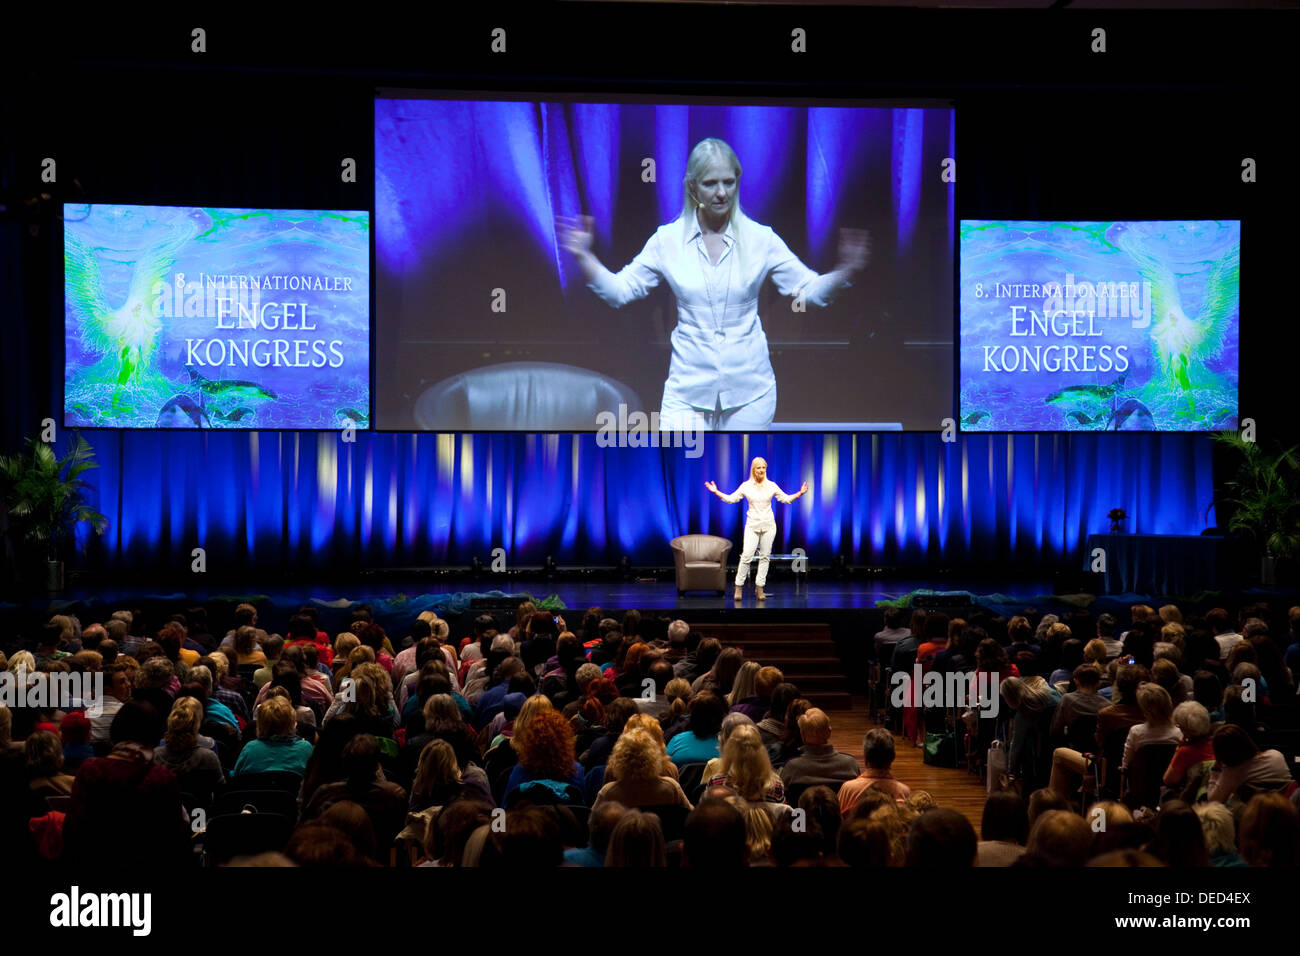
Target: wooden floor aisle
955,789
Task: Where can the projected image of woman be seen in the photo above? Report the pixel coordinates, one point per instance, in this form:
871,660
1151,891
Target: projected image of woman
760,522
715,259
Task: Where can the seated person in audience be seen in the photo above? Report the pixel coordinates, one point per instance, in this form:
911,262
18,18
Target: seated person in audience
1195,748
1059,838
893,632
651,726
819,762
1165,672
878,753
926,652
45,776
756,704
440,780
617,713
1067,764
74,729
117,691
248,653
941,839
604,818
384,802
729,724
197,768
127,793
698,743
1034,703
746,769
715,837
278,746
661,672
1106,634
1241,762
1269,834
1224,635
772,725
546,753
272,647
1070,657
1004,828
863,842
1179,838
1157,726
1084,701
1023,652
1220,832
639,780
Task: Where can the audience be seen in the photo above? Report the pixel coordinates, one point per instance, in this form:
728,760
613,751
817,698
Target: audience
373,735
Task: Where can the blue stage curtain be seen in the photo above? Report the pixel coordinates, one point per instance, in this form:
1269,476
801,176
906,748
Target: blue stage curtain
306,499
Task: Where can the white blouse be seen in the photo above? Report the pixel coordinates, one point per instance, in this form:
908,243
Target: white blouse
760,501
720,353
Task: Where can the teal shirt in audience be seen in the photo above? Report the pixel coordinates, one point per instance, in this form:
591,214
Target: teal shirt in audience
274,753
686,748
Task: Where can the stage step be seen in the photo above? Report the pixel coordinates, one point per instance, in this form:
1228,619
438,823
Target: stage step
805,653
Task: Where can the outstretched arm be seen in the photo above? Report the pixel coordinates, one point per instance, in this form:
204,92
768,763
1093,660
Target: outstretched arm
633,282
792,277
785,499
731,499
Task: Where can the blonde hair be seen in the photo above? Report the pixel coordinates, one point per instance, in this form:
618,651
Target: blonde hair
647,723
23,660
437,768
183,724
758,833
1157,706
276,718
743,685
1218,827
745,762
528,712
636,757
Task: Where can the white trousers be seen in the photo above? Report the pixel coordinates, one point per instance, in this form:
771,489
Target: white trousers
675,415
758,541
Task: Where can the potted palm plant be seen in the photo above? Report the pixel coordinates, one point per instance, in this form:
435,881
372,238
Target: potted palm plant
1265,499
45,500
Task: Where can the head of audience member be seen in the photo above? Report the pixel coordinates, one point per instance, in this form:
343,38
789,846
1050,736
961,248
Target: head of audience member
1217,825
1043,800
1193,720
1127,680
715,837
865,842
746,764
1269,834
1060,838
1156,704
941,838
707,711
878,749
1005,818
1179,839
637,840
815,727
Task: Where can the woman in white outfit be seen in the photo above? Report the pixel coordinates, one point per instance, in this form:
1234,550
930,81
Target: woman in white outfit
715,259
760,523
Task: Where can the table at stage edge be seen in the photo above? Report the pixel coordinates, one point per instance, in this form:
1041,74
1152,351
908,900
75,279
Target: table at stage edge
1172,564
800,571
